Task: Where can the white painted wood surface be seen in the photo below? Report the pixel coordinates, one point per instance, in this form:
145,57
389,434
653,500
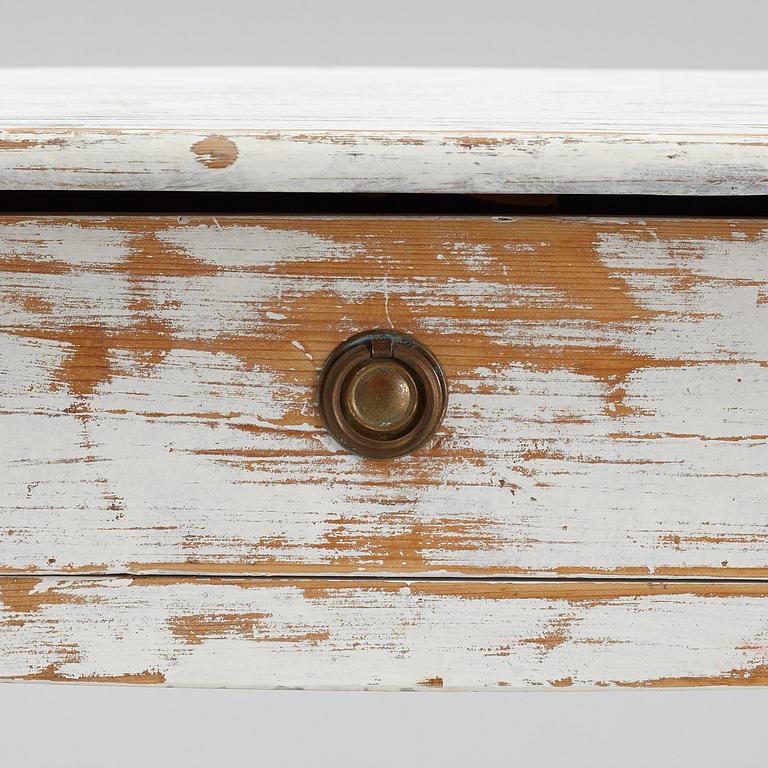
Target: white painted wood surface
607,412
382,634
385,130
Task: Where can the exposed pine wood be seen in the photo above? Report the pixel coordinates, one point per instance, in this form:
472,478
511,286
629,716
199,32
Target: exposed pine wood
382,634
607,409
385,130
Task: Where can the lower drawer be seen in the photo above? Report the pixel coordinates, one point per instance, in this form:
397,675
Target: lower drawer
391,634
607,409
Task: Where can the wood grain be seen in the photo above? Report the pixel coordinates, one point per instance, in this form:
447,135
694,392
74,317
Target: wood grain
454,635
385,130
607,409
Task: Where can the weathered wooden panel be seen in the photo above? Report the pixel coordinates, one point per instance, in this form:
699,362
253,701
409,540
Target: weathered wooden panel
284,161
382,634
332,130
608,409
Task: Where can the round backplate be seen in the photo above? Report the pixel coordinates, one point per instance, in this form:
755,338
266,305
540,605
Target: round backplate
382,394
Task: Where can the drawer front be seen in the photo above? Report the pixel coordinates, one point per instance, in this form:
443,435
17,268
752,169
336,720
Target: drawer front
607,408
349,633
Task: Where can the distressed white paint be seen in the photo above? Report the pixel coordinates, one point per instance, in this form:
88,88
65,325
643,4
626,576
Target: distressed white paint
534,473
385,635
332,130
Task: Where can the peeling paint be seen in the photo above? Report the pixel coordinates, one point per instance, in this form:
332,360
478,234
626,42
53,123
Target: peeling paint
606,377
215,151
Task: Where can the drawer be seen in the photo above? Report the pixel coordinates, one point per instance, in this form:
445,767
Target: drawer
606,396
383,633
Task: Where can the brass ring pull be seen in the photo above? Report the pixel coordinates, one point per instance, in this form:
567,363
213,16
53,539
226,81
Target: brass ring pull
382,394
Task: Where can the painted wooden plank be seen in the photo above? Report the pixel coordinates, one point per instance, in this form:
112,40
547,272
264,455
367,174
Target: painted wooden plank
607,412
313,633
387,130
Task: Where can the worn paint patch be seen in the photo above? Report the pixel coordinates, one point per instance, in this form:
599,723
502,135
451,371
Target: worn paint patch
757,675
33,266
29,594
52,674
215,151
194,628
16,144
558,632
405,545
